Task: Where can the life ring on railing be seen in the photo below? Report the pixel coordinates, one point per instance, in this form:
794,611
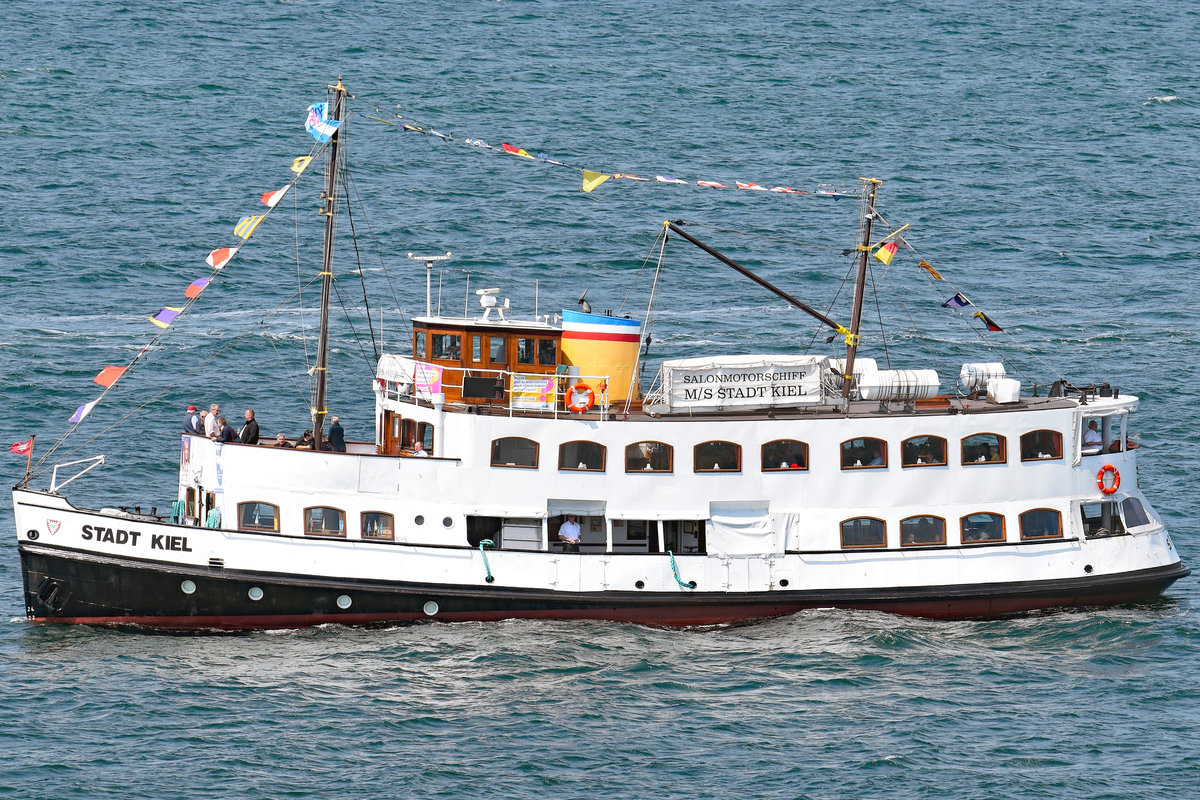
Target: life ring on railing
581,405
1105,470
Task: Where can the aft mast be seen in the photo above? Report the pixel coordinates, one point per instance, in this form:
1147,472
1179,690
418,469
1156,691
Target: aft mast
870,186
337,103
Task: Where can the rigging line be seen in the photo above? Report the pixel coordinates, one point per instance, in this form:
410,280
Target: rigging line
353,186
908,313
887,357
829,310
633,283
768,237
299,275
350,321
288,372
633,378
189,376
358,260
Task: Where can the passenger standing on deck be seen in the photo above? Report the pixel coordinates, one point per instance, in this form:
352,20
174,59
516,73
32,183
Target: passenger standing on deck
337,435
210,424
249,432
224,432
569,532
191,423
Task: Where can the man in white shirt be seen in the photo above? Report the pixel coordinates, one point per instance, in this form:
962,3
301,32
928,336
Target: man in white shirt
1092,441
210,422
569,532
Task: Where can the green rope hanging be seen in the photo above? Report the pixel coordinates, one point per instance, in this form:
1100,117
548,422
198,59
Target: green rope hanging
177,511
486,543
213,520
675,571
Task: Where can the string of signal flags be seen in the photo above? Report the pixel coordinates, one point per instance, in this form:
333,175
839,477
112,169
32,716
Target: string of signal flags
883,251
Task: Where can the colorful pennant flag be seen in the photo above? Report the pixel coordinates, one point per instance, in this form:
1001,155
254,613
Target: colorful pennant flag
991,326
925,266
246,226
196,287
108,376
751,186
593,179
958,301
83,411
271,199
220,257
669,179
319,124
629,177
712,184
300,164
516,151
885,253
166,316
24,448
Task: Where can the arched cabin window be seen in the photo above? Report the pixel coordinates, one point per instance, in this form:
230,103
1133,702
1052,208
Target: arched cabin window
982,526
649,457
515,451
717,456
922,531
445,346
258,517
378,525
324,521
984,448
923,451
581,456
864,453
783,455
1041,523
863,532
1041,445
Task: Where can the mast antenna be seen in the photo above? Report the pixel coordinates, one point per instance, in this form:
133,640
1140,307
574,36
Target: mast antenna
429,260
869,187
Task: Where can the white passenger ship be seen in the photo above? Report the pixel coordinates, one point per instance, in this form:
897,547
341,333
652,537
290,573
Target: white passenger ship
731,488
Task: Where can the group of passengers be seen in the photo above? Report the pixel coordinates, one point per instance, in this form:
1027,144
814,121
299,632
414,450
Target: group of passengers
211,424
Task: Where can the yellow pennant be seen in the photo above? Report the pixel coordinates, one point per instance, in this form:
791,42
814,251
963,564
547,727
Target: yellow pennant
300,163
593,179
884,254
246,226
925,266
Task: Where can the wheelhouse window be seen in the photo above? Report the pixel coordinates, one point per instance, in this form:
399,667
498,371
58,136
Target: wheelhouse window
649,457
863,532
524,350
515,451
258,517
717,457
324,521
983,448
496,353
864,453
419,344
923,451
982,527
581,456
547,352
783,455
378,525
445,346
1041,523
918,531
1041,445
476,348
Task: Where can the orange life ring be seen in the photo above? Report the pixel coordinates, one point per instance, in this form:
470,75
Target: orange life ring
577,405
1105,470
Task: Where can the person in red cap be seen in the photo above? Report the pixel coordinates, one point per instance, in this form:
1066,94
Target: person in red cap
191,423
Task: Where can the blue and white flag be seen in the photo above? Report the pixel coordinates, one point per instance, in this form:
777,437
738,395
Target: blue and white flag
318,123
958,301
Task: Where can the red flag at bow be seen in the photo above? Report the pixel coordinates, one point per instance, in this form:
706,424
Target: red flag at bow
24,448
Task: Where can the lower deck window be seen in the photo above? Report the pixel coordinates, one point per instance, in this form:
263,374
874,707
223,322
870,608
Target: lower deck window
1101,519
1135,513
1041,523
917,531
322,521
864,532
258,517
982,527
378,525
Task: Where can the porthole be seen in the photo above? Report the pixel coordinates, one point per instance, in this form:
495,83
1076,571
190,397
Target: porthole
187,587
1087,568
446,521
255,593
430,608
343,601
420,520
640,584
783,582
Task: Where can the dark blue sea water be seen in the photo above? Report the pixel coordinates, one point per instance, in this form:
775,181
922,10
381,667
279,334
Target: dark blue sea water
1046,156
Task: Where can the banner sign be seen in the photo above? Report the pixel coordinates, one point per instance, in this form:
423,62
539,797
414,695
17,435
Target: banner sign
742,382
533,392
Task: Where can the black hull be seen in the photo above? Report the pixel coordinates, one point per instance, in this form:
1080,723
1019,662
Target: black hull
72,587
